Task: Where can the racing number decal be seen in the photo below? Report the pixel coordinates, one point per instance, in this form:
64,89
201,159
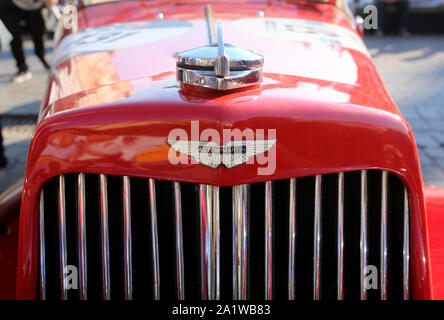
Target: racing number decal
302,30
117,36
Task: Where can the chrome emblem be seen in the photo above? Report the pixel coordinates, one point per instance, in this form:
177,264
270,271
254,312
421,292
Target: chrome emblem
232,154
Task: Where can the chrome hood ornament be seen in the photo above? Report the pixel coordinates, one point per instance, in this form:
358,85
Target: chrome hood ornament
219,66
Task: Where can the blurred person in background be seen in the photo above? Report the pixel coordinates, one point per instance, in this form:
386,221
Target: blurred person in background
11,13
403,9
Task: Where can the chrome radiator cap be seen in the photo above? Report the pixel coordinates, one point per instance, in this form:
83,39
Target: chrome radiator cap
219,66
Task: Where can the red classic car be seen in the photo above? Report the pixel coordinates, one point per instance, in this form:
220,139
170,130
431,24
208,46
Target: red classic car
219,150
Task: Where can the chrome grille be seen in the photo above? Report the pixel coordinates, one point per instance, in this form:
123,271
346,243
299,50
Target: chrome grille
309,237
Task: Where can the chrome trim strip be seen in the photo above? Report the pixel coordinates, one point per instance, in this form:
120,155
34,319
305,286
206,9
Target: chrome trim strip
268,240
42,248
340,277
317,238
406,248
82,237
363,233
105,238
292,240
210,242
62,237
208,79
179,242
383,252
216,240
235,242
127,248
205,213
240,200
221,61
205,199
210,26
154,239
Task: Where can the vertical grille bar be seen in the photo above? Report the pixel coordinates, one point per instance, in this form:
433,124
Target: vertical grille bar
154,239
205,199
105,237
216,242
209,234
317,237
383,257
42,248
179,242
340,235
62,237
127,239
82,237
268,240
292,240
405,251
205,240
240,196
363,236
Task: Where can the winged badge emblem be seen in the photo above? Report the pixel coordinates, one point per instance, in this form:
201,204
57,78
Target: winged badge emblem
232,154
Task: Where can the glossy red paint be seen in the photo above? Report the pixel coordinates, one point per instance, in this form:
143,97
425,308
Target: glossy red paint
111,112
434,198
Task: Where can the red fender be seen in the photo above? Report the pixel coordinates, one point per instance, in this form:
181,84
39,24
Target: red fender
434,198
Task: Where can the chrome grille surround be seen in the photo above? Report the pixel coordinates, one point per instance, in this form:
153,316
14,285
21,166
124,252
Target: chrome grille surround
222,236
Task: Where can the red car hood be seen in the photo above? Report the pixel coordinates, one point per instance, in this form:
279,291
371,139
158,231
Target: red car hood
313,50
111,104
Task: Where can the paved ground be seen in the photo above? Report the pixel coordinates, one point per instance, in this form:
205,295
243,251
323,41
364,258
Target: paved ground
24,98
412,69
19,107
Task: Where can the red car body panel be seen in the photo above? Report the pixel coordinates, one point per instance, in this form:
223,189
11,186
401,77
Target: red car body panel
110,112
435,221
